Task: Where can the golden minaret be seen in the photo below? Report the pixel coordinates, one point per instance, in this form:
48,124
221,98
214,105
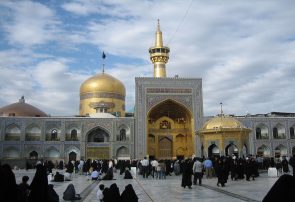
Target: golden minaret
159,54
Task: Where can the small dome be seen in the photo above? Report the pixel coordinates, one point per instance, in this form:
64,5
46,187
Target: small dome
21,109
103,83
222,122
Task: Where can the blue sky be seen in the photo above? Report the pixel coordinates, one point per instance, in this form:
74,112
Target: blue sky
243,50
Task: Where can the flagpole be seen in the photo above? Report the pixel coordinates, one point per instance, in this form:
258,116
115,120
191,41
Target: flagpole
103,61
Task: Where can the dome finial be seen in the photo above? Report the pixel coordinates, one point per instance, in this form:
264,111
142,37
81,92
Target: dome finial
22,99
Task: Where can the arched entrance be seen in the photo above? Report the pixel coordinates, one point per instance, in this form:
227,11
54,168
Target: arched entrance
33,155
72,156
123,153
165,148
280,150
263,151
98,144
231,149
169,126
213,150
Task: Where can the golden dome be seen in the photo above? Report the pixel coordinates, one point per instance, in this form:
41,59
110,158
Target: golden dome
224,122
21,109
103,83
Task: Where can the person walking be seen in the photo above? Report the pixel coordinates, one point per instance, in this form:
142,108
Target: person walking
198,171
208,165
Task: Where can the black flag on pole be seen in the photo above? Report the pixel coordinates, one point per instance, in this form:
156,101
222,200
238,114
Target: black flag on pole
103,55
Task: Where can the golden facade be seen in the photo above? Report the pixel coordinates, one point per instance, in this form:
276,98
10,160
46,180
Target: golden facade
170,131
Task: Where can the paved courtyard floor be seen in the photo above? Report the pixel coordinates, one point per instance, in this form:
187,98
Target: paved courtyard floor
168,190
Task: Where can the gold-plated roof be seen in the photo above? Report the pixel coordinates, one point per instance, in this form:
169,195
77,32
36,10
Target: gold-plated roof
103,82
224,122
21,109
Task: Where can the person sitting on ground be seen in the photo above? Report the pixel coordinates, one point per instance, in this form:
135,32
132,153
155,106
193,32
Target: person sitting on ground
70,193
107,195
94,175
282,190
127,174
99,193
53,196
109,175
114,193
129,195
24,187
58,177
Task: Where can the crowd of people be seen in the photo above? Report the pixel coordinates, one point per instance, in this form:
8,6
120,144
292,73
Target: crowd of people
223,168
192,171
38,191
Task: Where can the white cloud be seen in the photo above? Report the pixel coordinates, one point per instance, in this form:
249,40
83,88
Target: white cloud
243,50
30,23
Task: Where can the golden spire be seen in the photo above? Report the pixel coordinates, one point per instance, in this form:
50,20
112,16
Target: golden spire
159,54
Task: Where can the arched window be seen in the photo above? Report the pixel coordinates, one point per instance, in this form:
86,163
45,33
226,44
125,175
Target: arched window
98,135
74,135
54,134
275,133
292,135
122,135
98,138
261,132
258,133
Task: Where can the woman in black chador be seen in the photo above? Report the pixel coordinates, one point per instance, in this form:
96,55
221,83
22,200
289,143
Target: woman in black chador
187,174
129,195
9,191
113,194
220,172
40,191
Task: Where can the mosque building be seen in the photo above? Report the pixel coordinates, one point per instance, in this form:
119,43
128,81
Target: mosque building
168,123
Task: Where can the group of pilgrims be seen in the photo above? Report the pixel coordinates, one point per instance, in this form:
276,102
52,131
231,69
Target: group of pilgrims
221,167
191,171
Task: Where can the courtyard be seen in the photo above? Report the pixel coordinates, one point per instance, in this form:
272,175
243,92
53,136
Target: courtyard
169,189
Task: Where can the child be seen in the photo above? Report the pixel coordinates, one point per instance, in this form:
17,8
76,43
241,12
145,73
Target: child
99,193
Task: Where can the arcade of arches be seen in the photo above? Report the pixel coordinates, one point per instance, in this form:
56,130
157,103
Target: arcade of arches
98,144
170,131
